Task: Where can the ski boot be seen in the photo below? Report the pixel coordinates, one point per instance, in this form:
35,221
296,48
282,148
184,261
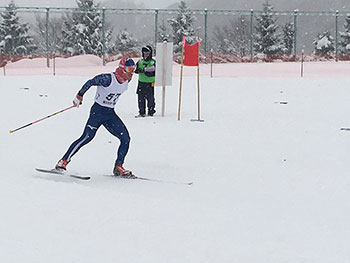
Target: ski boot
61,165
121,172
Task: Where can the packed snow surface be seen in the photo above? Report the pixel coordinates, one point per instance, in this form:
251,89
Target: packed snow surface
270,166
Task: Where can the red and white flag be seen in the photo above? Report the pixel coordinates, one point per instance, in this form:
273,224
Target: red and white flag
191,53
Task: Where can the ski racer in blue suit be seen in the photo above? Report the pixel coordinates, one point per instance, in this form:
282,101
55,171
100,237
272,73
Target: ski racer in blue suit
109,88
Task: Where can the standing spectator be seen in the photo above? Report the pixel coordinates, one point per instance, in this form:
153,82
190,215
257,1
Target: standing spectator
146,68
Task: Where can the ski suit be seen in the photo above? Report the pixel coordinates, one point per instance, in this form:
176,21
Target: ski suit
102,113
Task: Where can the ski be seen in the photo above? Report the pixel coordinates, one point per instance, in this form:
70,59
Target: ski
134,177
54,171
131,177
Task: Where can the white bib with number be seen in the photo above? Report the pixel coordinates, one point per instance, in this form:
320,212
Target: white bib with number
108,96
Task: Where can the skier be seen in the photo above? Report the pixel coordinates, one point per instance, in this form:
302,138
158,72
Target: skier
145,67
109,88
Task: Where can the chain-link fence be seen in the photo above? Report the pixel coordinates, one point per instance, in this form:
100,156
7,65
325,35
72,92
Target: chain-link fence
228,34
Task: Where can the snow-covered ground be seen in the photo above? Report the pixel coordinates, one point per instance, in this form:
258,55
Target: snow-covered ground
271,180
89,65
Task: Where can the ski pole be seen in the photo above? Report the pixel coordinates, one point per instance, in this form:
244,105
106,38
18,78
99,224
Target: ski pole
53,114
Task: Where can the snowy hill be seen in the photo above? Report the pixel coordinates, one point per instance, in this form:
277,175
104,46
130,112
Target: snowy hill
269,164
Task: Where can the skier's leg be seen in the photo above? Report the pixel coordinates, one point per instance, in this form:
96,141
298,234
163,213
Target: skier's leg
91,127
116,127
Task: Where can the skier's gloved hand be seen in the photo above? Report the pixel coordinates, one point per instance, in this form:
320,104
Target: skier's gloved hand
78,100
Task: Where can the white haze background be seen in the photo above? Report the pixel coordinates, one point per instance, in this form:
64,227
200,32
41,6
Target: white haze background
310,5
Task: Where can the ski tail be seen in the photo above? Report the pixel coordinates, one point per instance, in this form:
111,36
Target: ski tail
58,172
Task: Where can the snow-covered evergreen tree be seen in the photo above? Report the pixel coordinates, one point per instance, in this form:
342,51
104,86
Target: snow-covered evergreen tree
125,42
223,40
267,39
82,33
242,31
163,32
233,39
288,37
345,37
55,36
182,25
14,37
324,44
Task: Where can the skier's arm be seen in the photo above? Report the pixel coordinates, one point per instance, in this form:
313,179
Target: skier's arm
100,80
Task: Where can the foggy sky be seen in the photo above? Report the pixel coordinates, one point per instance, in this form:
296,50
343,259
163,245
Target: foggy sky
309,5
72,3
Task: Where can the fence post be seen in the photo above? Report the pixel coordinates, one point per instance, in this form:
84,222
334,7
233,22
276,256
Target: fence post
155,26
302,64
251,33
47,38
211,63
336,34
295,33
205,32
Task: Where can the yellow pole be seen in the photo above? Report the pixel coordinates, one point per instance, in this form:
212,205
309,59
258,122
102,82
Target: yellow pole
180,90
164,77
198,92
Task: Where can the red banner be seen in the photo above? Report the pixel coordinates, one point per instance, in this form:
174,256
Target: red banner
191,53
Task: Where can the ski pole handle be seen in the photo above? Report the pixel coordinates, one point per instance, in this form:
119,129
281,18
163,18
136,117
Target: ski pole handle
53,114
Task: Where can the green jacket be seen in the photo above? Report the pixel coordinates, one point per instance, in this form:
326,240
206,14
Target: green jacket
146,70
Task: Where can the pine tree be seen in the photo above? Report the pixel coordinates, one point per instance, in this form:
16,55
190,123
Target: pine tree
345,37
125,42
182,25
324,44
288,37
82,33
242,31
233,39
224,40
55,36
14,37
163,33
267,39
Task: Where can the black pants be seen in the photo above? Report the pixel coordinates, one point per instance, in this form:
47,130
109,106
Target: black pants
145,92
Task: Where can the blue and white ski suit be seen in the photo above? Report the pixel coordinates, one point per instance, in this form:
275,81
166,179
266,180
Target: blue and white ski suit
102,113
